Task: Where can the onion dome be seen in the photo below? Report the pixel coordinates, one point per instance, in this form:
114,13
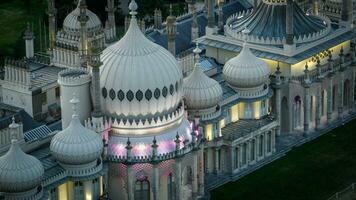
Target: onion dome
19,172
76,145
246,70
139,79
201,91
267,24
72,24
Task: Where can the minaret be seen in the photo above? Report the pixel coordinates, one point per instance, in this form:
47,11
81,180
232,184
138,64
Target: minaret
52,23
83,19
157,19
171,32
111,9
95,64
29,37
211,17
195,27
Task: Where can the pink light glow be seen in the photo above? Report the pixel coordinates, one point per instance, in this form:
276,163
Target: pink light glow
118,149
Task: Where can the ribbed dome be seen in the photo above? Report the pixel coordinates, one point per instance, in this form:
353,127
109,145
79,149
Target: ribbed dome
139,78
201,91
76,144
71,22
246,70
19,172
268,20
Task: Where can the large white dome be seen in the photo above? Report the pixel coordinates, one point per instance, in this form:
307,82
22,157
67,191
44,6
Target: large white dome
19,172
139,79
246,70
201,91
76,145
71,23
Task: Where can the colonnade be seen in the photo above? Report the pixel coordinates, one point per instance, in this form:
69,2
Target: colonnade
241,154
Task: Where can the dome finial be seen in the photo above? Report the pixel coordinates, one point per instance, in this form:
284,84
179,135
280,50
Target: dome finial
197,52
13,130
133,8
74,101
245,32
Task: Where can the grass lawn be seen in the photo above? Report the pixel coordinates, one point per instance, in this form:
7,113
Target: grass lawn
14,14
314,171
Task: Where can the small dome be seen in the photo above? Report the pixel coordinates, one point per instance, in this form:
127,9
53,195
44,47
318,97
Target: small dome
246,70
19,172
76,145
71,23
139,79
201,91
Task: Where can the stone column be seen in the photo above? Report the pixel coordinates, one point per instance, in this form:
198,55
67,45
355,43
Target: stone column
330,90
195,174
241,165
216,167
231,161
130,183
273,140
352,90
248,152
318,108
306,85
306,109
178,177
264,144
340,105
155,186
201,177
330,101
256,149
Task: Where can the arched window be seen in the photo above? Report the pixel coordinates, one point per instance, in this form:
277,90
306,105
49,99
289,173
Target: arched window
142,190
171,187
